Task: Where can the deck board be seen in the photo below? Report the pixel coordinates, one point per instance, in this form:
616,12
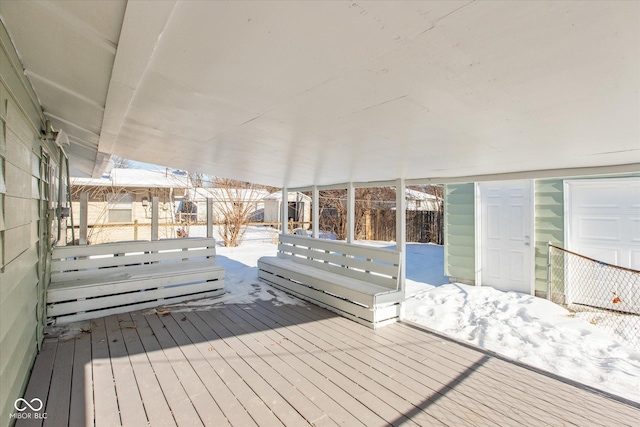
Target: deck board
441,410
263,364
299,374
155,403
494,407
516,378
59,401
132,410
81,405
40,381
212,369
182,408
251,390
106,411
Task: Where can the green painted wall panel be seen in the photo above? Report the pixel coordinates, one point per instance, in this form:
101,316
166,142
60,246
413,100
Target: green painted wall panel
13,341
14,300
549,224
463,273
14,378
459,234
20,328
20,88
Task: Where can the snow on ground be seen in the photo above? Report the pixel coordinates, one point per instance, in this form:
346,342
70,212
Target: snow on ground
531,330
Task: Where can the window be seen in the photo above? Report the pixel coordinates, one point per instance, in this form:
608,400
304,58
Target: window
119,207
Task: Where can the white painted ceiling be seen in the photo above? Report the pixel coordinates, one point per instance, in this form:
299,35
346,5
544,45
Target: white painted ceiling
300,93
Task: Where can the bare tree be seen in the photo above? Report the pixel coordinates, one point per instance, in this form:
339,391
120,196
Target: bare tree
235,206
333,212
375,215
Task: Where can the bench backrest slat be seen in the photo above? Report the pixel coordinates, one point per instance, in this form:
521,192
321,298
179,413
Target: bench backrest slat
128,247
385,255
342,260
373,265
83,262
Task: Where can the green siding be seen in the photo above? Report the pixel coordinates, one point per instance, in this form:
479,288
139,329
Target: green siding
21,284
549,224
459,232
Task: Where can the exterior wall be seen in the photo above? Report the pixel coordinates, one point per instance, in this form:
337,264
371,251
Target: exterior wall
272,208
549,225
221,207
459,232
99,206
24,238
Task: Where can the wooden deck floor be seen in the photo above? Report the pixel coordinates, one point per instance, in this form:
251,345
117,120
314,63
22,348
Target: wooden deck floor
268,365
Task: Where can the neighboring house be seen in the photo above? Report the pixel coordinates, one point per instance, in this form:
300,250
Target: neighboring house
496,233
224,199
421,201
125,195
299,208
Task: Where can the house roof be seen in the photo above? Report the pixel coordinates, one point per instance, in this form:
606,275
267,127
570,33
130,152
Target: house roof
419,195
235,194
278,196
137,178
264,92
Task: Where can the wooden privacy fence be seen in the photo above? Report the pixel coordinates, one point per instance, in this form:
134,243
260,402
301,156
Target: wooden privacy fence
380,224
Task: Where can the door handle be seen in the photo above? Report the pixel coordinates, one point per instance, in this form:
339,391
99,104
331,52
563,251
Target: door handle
527,241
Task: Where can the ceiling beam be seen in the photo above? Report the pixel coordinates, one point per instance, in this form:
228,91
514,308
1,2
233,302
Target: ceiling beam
141,30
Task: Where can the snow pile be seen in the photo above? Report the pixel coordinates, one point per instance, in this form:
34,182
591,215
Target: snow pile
530,330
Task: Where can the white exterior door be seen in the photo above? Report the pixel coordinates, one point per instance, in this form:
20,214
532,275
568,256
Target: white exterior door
506,255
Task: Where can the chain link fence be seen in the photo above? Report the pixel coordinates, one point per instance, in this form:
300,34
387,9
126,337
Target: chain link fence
604,294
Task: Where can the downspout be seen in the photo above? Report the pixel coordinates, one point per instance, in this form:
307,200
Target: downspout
69,204
59,208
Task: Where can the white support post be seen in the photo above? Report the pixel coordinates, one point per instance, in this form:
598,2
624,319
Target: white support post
154,218
315,204
84,218
209,217
401,229
284,211
351,212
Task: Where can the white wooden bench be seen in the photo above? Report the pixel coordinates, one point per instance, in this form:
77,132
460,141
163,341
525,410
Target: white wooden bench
355,281
92,281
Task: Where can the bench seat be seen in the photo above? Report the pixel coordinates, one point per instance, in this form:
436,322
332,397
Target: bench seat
99,280
355,281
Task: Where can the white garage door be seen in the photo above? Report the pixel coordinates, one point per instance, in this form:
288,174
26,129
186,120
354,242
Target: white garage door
603,220
603,223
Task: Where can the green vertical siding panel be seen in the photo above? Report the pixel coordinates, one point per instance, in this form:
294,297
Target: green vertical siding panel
459,232
549,224
21,118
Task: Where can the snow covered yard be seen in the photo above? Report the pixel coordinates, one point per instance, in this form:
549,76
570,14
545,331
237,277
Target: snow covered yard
528,329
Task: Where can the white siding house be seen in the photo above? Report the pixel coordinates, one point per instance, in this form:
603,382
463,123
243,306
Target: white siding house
224,199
